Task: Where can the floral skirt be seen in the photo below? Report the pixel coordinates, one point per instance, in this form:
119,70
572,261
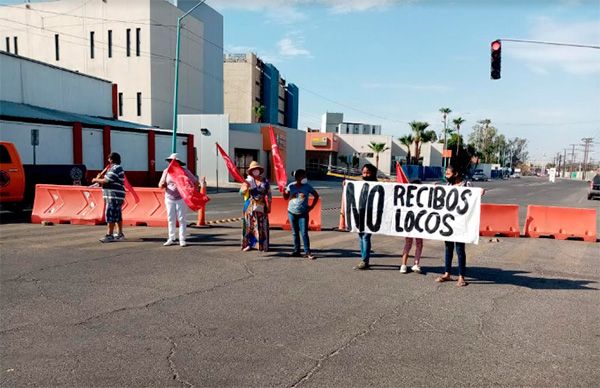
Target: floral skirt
255,230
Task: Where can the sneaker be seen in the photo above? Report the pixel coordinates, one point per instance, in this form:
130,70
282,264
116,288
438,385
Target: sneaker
182,243
169,242
362,265
310,256
416,268
108,238
119,236
403,269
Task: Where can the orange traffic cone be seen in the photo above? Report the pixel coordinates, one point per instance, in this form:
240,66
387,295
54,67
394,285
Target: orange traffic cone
342,223
202,211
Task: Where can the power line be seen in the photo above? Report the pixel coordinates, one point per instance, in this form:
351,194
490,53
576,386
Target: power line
550,43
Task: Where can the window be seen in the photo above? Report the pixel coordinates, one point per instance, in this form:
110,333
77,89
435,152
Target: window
92,44
7,44
120,104
139,104
110,43
4,155
16,46
138,42
373,131
129,42
56,47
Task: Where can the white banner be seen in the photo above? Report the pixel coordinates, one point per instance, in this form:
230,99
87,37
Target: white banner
448,213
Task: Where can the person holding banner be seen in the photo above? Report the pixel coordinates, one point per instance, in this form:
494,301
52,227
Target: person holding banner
408,242
298,211
369,173
455,177
112,180
257,205
176,207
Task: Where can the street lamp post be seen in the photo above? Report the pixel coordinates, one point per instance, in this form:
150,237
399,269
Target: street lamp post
176,81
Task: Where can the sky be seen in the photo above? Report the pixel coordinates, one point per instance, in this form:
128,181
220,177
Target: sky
390,62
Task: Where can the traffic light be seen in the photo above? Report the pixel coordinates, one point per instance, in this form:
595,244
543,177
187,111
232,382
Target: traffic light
496,49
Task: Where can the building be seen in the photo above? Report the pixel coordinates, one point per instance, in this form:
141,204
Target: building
243,143
334,123
250,83
74,116
132,44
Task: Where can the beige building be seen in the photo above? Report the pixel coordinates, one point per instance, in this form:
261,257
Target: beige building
132,44
250,83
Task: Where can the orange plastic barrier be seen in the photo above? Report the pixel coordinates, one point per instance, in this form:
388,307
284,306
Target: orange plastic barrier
561,222
278,218
499,220
68,205
149,211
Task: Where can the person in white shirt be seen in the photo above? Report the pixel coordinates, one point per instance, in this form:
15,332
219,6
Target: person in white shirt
176,207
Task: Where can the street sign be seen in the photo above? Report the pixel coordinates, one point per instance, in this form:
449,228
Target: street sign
35,137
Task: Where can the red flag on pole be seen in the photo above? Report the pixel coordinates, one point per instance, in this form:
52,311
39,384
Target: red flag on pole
128,187
187,187
230,165
400,176
280,174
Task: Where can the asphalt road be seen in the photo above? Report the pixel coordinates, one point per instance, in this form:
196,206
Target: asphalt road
74,312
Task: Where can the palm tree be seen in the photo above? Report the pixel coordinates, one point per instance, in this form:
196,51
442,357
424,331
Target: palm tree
457,123
407,140
377,148
445,112
420,135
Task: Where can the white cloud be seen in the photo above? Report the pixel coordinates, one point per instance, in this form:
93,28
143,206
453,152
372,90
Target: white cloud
289,48
573,60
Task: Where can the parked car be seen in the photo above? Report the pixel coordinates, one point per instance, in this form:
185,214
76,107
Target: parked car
594,189
479,176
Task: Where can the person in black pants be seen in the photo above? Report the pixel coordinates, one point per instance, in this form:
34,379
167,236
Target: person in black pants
455,178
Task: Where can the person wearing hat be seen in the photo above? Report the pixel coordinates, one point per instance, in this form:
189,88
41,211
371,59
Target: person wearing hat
176,207
257,205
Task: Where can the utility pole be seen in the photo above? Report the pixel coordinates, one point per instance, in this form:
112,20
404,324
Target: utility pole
572,157
564,162
587,141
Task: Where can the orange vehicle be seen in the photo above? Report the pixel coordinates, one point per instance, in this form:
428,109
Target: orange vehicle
12,174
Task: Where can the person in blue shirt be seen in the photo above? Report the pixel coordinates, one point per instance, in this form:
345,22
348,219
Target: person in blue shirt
298,193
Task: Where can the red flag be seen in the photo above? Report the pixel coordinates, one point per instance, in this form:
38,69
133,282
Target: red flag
280,174
230,165
129,188
400,176
127,185
187,187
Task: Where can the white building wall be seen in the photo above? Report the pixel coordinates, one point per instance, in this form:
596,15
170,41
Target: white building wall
93,152
240,89
218,132
56,142
150,73
359,145
295,150
432,153
330,121
29,82
133,148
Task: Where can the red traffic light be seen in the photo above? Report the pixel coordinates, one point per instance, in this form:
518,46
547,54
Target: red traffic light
496,45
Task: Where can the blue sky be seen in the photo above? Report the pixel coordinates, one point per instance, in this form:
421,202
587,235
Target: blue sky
389,62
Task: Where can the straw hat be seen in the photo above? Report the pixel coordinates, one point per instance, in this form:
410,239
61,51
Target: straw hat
176,157
254,164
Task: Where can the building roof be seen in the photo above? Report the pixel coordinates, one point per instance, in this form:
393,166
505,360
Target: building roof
53,66
15,111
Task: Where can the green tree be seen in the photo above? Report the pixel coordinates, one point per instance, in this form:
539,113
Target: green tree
259,112
378,148
420,136
483,140
407,141
445,112
457,123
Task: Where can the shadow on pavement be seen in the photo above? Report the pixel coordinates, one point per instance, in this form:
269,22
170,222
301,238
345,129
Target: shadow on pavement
484,275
